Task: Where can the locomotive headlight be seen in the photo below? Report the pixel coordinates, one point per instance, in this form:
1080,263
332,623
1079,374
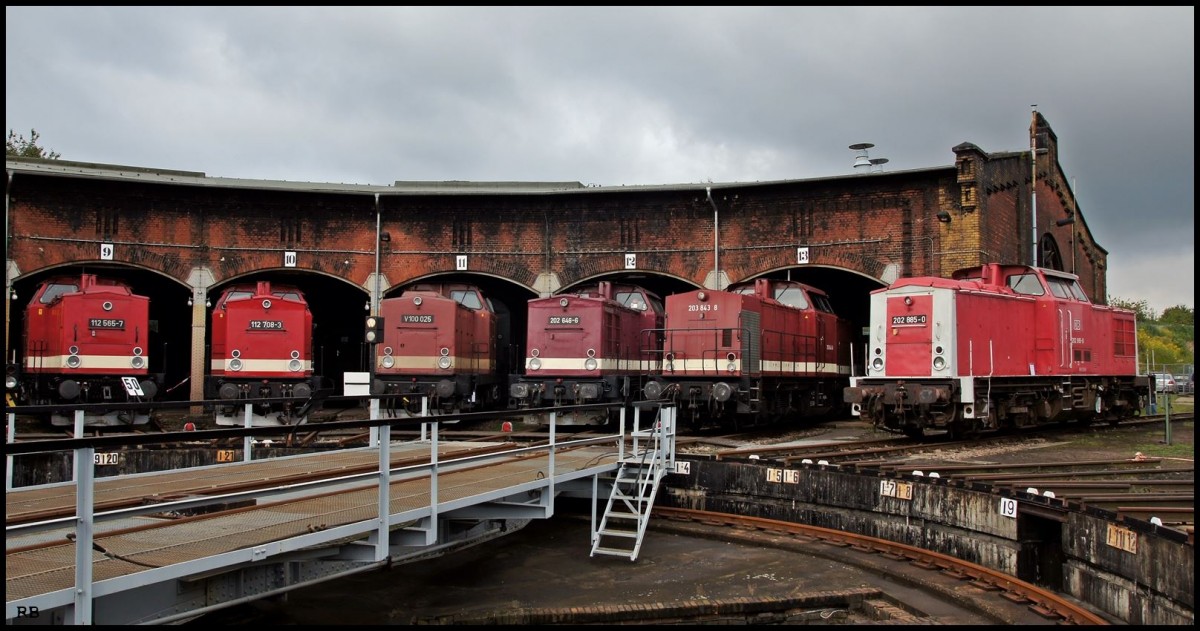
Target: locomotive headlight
590,364
388,361
74,350
266,303
295,365
722,391
563,302
939,363
137,350
138,362
731,367
295,354
535,364
877,364
444,362
701,296
235,364
417,300
236,353
74,362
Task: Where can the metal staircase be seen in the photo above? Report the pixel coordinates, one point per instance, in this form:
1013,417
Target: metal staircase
651,457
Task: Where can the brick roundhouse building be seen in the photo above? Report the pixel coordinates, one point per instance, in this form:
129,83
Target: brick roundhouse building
180,237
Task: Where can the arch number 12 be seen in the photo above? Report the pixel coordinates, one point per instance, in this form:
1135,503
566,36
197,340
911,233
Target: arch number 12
631,261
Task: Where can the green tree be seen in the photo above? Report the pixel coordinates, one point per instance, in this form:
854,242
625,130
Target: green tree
18,146
1179,314
1140,307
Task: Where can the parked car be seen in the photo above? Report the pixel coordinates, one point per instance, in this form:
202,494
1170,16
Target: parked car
1163,382
1185,384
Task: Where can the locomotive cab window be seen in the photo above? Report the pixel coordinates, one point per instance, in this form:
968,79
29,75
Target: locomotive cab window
822,303
239,295
1026,284
288,295
632,299
466,298
1077,291
1059,288
53,292
791,296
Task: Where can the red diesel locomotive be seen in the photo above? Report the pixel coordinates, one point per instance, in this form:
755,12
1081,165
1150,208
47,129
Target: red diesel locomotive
439,343
995,347
757,352
262,348
86,341
586,346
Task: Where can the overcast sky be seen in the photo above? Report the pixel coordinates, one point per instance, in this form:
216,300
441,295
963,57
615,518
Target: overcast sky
632,95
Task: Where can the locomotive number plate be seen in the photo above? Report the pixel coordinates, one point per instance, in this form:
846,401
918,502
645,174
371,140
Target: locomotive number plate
409,318
106,323
908,320
564,319
266,325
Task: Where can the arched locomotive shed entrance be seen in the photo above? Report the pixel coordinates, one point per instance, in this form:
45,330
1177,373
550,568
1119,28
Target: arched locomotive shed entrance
845,235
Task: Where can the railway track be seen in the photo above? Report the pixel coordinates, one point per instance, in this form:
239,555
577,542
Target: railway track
1044,462
1006,590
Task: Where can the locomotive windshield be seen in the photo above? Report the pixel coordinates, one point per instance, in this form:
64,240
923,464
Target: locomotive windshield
822,303
239,295
466,298
791,296
1066,288
54,290
1026,284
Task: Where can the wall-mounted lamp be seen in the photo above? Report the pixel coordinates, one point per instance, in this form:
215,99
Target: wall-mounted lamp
12,295
367,307
943,217
385,236
189,301
208,303
1066,221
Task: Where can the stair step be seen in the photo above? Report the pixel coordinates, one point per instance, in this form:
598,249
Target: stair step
612,551
628,534
621,515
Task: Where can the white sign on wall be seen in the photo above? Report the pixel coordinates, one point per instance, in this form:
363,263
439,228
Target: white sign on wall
460,262
801,256
1008,507
106,251
289,259
630,261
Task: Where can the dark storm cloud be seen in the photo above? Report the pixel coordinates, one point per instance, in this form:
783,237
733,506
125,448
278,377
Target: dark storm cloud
631,95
